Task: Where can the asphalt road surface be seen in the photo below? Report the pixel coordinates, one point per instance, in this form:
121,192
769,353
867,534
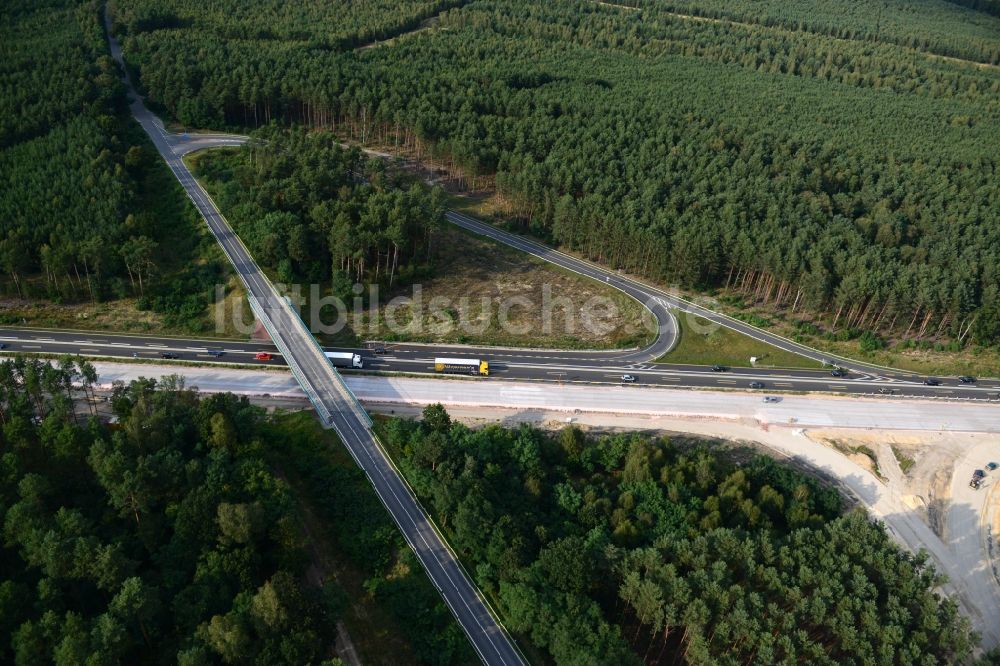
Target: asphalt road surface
334,403
796,411
559,367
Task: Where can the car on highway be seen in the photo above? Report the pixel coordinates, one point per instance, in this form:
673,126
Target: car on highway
719,368
379,349
216,353
990,467
756,385
169,355
967,379
838,372
3,345
771,398
628,379
262,356
930,381
886,391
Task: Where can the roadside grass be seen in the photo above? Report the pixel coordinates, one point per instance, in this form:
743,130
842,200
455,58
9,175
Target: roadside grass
702,343
925,357
906,463
364,553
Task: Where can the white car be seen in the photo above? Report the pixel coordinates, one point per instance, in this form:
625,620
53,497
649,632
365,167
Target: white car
772,398
628,379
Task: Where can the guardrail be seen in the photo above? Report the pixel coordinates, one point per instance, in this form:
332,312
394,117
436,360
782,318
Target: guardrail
353,399
314,398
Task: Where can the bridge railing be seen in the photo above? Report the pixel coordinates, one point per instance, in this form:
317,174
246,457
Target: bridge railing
349,394
293,365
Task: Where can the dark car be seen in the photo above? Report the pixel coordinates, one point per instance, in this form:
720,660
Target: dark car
930,381
216,353
978,474
169,355
379,349
719,368
3,345
756,385
838,372
967,379
991,466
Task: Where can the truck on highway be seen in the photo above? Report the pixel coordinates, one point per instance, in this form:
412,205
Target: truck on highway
345,359
469,366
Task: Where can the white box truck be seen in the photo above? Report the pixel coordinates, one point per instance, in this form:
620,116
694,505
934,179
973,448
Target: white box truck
345,359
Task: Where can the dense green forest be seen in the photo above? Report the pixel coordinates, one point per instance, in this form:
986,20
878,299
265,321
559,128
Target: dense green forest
313,210
937,26
175,535
825,172
626,549
165,539
326,24
89,212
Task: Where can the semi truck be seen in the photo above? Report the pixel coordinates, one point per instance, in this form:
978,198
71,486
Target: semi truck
344,359
469,366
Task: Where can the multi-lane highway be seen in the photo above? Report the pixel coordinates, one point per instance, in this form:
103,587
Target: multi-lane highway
335,404
565,367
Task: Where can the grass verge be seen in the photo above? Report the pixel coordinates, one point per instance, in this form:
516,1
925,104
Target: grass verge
925,357
702,343
906,463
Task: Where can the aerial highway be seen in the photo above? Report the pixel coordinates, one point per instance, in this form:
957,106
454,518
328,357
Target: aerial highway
336,406
559,367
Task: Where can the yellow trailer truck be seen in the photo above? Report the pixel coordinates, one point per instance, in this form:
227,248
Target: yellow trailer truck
469,366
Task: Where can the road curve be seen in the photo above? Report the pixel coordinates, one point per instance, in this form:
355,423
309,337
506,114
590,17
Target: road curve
335,404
